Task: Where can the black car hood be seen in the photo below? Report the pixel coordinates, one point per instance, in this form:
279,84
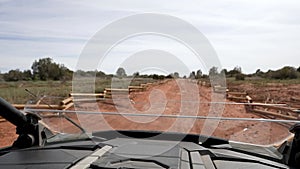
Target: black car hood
140,149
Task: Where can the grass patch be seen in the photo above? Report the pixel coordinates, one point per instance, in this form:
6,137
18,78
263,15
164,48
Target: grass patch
14,92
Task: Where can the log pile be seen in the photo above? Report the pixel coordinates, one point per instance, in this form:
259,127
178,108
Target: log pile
239,97
67,103
276,111
107,94
220,89
282,111
110,92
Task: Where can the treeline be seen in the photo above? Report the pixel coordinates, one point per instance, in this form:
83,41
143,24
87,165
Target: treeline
45,69
284,73
287,72
42,69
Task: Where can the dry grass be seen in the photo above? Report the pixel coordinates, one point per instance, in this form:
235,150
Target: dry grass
14,92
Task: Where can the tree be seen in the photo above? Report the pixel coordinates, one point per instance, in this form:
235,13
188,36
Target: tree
198,74
13,75
259,73
40,68
236,70
54,72
136,74
16,75
224,71
237,73
176,75
27,75
45,69
100,74
169,76
121,72
1,77
192,75
213,71
240,76
286,72
65,73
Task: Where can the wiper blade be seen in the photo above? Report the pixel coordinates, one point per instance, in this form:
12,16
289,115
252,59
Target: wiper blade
74,123
61,114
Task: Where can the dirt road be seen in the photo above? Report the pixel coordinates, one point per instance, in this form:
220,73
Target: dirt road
181,97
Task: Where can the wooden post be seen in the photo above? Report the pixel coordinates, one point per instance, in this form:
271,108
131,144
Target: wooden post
66,101
295,99
249,99
86,94
41,106
275,114
69,105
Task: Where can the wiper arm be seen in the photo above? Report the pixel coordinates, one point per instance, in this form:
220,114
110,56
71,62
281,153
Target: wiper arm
66,117
74,123
61,114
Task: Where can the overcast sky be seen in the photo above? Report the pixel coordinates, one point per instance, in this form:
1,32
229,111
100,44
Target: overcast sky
252,34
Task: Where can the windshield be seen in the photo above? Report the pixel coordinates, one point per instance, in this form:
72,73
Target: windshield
161,105
193,71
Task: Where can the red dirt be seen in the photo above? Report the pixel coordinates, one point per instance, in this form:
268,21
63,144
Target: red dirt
175,98
7,134
270,92
166,99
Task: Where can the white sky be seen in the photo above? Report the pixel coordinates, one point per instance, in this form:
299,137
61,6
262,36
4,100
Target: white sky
252,34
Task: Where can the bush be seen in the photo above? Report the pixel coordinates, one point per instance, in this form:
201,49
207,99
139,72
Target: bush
284,73
240,76
16,75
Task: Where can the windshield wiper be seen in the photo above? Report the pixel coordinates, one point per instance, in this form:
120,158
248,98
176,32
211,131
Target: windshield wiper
74,123
63,115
